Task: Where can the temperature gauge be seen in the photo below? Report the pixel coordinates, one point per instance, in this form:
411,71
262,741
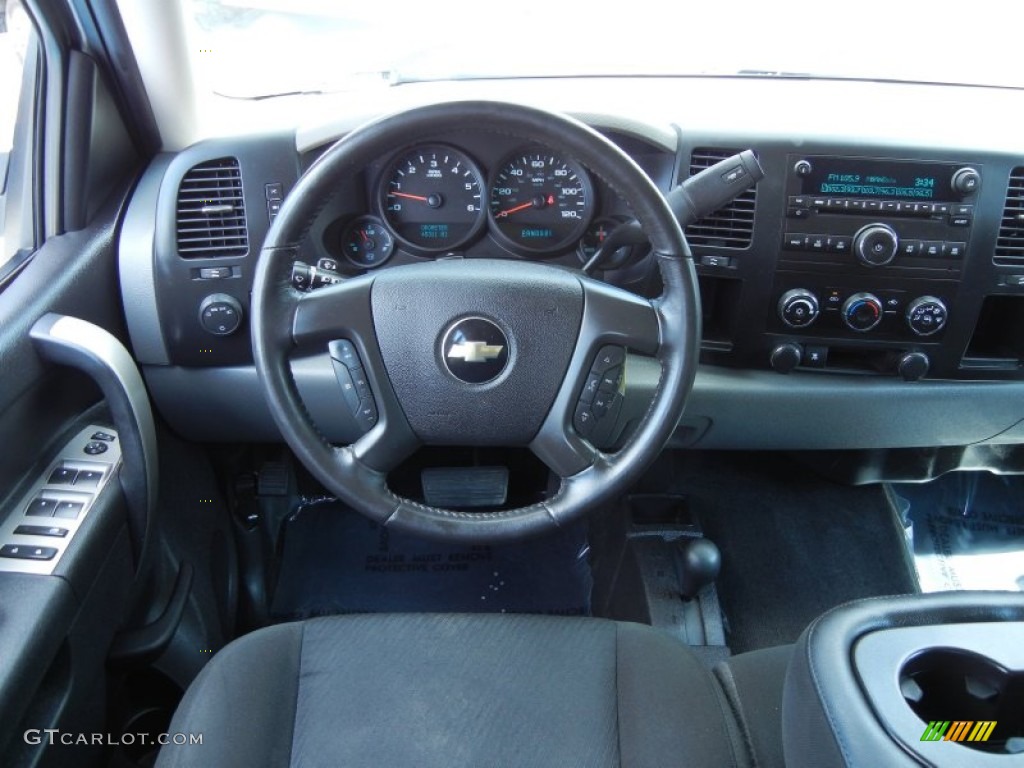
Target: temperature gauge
366,243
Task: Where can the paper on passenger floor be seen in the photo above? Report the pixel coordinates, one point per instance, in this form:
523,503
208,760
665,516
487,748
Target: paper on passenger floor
976,551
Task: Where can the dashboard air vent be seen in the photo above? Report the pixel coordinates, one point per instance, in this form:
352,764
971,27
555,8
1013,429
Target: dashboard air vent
731,226
211,211
1010,242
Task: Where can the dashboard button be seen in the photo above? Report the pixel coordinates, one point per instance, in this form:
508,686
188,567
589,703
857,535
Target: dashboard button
871,206
798,213
214,273
941,209
794,241
839,243
856,206
274,191
959,221
910,247
931,248
836,204
954,250
799,201
815,357
817,242
890,206
962,210
708,260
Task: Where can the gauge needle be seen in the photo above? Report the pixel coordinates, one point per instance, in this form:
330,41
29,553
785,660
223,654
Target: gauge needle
406,195
362,234
510,211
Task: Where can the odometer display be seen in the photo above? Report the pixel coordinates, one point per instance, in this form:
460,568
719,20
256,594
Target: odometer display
540,203
431,198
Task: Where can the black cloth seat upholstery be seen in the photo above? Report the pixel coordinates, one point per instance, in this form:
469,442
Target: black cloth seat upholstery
455,690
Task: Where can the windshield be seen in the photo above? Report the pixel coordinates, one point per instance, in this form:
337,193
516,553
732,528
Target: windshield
257,48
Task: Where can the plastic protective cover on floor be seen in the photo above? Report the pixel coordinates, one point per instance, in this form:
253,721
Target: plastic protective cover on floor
967,531
336,561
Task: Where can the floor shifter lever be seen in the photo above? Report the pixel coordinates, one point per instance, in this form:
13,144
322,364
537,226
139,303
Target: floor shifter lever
698,562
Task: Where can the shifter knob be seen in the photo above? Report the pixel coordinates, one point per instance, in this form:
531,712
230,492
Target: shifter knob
698,562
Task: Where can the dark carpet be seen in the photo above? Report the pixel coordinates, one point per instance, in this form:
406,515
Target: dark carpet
336,561
793,544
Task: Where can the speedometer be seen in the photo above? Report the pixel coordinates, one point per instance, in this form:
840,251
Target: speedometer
540,203
431,198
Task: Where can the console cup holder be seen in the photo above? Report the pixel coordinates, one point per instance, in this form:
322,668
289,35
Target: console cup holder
963,692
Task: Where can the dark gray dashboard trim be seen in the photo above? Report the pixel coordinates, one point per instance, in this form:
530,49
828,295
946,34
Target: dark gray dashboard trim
755,410
136,246
733,410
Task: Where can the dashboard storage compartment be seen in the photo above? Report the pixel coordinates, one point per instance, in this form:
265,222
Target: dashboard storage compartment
997,342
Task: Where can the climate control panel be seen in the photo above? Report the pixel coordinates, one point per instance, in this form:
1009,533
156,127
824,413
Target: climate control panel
847,311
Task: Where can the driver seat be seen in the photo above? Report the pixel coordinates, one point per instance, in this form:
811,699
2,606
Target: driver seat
458,690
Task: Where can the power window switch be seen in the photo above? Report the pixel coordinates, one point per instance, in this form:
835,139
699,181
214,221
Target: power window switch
68,510
51,531
22,552
88,479
41,508
62,476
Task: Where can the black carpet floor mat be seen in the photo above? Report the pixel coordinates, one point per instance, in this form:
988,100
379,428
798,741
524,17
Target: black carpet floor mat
793,544
336,561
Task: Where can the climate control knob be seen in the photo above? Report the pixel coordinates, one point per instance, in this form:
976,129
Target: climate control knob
862,312
926,315
876,245
798,308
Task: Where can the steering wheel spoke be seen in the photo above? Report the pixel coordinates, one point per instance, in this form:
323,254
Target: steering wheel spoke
340,311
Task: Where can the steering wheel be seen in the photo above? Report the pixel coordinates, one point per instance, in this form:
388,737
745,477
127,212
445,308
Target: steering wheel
475,352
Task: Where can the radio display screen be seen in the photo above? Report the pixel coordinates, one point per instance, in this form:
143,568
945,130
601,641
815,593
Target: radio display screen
861,177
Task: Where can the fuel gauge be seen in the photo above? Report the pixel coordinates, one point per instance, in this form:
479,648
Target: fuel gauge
366,243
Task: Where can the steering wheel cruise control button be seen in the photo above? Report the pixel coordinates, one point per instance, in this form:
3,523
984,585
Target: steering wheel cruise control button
367,413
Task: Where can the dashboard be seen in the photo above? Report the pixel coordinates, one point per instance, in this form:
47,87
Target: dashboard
868,293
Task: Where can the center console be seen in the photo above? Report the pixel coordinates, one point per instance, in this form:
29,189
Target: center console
935,680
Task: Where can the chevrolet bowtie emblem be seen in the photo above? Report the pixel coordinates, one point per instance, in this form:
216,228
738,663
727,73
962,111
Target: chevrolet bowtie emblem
475,351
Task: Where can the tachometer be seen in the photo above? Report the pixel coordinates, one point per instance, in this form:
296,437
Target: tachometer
431,198
541,203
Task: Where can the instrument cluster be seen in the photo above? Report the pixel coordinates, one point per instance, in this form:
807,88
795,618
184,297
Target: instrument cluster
434,199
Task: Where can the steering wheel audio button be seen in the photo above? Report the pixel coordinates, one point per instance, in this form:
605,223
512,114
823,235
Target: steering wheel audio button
584,420
590,388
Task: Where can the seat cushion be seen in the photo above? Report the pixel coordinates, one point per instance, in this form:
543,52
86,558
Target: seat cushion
432,690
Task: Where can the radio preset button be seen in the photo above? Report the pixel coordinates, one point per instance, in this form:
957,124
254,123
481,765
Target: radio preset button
799,201
941,209
954,250
890,206
871,206
798,213
794,241
839,243
816,242
931,248
910,247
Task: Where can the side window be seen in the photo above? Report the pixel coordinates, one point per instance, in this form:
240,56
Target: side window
16,32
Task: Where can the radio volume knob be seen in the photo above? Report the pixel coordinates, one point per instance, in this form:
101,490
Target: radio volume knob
966,181
862,312
876,245
926,315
